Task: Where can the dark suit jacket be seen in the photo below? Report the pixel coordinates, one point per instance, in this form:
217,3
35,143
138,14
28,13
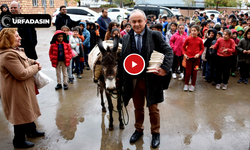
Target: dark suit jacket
154,83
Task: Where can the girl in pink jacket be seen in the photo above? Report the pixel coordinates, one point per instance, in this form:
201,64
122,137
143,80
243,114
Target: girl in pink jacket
176,43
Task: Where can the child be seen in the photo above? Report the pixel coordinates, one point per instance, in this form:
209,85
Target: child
79,51
86,42
92,35
223,22
244,24
181,20
240,31
219,18
60,55
4,10
192,49
176,43
234,57
240,23
115,32
244,57
81,58
127,28
225,48
212,23
212,33
124,21
158,27
233,24
171,32
72,43
111,26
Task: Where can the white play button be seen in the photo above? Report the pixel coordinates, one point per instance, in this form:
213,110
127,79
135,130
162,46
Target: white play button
134,64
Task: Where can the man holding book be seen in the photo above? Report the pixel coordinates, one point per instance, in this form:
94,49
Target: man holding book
142,41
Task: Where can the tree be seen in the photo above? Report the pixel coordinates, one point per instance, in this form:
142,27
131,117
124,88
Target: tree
122,2
188,3
75,1
221,3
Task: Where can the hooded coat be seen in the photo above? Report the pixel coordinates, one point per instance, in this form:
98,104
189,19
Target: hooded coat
240,29
177,41
208,44
18,94
53,51
236,41
244,44
86,34
64,19
4,13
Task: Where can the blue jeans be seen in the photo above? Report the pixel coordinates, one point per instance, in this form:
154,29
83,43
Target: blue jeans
208,66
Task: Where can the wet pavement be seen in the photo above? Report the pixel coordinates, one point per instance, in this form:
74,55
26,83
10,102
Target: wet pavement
207,119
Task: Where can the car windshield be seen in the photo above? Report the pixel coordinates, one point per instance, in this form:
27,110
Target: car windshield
109,10
175,10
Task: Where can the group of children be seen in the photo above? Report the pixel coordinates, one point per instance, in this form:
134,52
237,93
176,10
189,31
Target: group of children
219,46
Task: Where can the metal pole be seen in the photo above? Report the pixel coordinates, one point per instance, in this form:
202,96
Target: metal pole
44,6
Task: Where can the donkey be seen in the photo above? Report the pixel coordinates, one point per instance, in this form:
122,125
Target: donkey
107,80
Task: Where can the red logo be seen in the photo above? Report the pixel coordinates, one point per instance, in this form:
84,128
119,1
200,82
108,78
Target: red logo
134,64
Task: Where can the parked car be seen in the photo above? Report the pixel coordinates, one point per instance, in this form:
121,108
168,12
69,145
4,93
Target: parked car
118,14
78,13
209,12
176,12
155,10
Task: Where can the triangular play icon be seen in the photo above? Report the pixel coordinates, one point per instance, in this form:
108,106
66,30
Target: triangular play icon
134,64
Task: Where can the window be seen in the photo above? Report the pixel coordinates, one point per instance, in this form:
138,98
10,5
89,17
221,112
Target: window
44,3
51,2
109,10
72,11
35,3
115,10
82,12
153,11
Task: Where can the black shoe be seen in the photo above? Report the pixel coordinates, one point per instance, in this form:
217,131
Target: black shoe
88,68
36,134
155,140
25,144
240,80
233,74
136,135
79,76
58,86
214,83
209,81
246,81
65,86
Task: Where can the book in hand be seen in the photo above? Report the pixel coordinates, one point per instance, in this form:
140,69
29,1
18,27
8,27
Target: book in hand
155,62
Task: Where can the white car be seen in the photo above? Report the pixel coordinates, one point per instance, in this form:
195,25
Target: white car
209,12
78,13
118,14
176,12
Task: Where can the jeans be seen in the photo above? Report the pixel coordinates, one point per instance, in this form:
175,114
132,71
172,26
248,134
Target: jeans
223,69
69,69
244,69
177,61
208,67
77,67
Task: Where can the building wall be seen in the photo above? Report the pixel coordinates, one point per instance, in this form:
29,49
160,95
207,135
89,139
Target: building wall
28,8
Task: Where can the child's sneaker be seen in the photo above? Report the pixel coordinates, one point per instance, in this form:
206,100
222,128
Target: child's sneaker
58,86
246,81
79,76
190,81
191,88
174,75
240,80
65,86
181,77
185,87
218,86
70,80
224,87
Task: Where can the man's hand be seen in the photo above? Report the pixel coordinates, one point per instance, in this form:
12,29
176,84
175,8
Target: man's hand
160,72
197,56
186,56
245,51
248,52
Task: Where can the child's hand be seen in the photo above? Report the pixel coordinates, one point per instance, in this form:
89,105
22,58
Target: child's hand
212,47
248,52
225,50
186,56
197,56
245,51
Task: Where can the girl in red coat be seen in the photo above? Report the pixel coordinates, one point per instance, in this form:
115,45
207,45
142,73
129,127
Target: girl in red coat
60,55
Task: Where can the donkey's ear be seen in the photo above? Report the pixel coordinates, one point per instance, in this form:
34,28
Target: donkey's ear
102,49
116,43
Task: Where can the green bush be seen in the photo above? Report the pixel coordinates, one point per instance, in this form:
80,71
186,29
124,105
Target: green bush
109,6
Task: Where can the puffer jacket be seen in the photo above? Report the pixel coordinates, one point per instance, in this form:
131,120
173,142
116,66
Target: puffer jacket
86,34
236,41
53,51
244,44
169,35
177,41
208,44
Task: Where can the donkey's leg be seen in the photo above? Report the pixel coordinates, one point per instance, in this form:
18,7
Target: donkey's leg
111,126
102,100
119,108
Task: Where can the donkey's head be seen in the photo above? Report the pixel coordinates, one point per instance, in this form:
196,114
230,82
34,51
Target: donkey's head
109,63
